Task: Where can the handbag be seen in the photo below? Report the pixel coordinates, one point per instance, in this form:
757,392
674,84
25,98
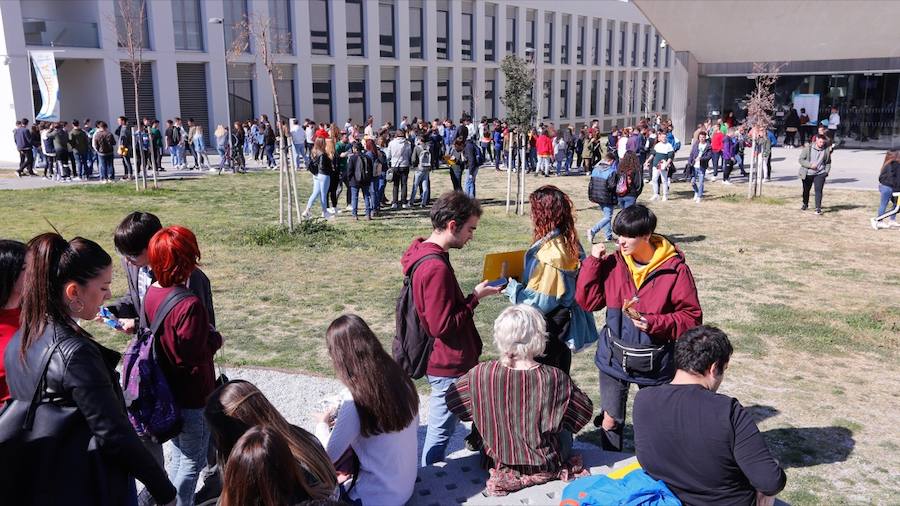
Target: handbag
389,175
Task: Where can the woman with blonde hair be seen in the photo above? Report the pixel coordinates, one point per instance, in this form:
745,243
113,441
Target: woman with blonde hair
238,406
320,166
525,411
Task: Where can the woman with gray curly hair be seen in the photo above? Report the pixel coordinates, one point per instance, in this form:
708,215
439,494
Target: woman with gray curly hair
526,412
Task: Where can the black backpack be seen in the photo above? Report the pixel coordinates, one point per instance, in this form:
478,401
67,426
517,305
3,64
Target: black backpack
412,345
363,170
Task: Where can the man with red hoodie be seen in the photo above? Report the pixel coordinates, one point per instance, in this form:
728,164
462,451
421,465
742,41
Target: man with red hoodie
650,299
544,145
445,313
718,144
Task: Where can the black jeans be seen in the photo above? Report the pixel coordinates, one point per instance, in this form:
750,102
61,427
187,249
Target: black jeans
808,183
613,399
729,166
557,353
26,161
456,172
401,182
333,184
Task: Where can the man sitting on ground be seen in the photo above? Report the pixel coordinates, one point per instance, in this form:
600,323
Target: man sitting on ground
705,446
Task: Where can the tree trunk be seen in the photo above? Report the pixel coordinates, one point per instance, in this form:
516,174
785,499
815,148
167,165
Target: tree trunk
753,164
293,176
509,175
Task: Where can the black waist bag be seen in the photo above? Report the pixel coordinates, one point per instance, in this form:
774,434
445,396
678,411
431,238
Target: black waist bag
639,358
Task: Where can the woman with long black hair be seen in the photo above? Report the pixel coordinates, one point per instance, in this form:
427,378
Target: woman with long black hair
81,448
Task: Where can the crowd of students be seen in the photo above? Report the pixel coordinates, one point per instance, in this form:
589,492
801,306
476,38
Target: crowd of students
524,406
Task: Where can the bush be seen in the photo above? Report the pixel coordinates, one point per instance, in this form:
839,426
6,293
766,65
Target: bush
309,233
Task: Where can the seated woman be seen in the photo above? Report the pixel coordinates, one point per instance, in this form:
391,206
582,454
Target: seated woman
237,406
262,471
12,280
548,282
522,432
376,419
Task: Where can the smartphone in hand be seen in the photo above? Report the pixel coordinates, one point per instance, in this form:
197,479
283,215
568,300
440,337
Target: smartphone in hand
500,282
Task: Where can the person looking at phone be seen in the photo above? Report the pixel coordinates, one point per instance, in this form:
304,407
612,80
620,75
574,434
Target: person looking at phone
548,281
650,298
445,313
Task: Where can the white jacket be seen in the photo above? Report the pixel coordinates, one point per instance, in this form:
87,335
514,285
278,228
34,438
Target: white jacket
399,152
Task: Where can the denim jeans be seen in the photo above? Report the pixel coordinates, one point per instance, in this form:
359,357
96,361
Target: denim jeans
378,198
107,169
374,204
886,196
173,156
270,156
221,151
716,162
559,166
470,182
421,184
200,152
320,191
354,199
627,201
299,154
606,222
126,166
697,182
441,422
569,157
456,177
82,164
400,182
188,455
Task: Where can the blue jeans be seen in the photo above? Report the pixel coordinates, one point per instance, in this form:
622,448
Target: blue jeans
188,455
470,182
569,157
378,197
221,151
606,222
886,196
717,160
107,169
299,153
627,201
354,199
320,191
441,422
697,182
270,155
81,161
200,151
422,178
559,166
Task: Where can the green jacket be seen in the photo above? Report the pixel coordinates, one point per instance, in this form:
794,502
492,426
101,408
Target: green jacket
806,167
79,140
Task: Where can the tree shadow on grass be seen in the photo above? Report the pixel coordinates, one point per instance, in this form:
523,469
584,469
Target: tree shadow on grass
843,180
810,446
681,239
843,207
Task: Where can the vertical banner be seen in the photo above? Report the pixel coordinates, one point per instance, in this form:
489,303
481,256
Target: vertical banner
44,63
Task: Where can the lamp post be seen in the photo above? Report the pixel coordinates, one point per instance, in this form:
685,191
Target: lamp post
221,21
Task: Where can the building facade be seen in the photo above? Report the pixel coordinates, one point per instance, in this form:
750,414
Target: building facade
340,59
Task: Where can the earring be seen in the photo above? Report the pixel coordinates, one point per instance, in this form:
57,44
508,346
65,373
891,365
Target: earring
73,310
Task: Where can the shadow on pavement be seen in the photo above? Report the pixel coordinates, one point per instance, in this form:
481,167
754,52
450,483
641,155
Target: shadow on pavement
810,446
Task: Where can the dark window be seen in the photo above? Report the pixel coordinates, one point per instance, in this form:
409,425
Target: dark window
607,97
596,45
443,35
634,45
386,23
235,15
620,95
634,94
466,36
489,98
417,98
320,41
489,35
646,46
548,41
139,10
580,53
511,42
593,106
146,100
665,92
280,15
656,50
565,44
668,51
186,21
389,101
564,97
609,43
321,100
443,99
529,34
547,102
240,99
192,94
285,88
579,98
467,98
622,43
357,98
416,49
356,28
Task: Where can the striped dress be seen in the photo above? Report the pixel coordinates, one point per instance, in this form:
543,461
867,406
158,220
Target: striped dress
520,413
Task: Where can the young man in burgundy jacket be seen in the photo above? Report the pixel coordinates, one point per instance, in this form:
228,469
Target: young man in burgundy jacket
445,312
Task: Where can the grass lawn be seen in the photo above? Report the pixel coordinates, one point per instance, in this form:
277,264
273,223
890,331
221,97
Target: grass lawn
810,302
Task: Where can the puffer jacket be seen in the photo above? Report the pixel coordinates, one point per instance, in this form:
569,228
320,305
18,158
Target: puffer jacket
667,298
93,461
890,175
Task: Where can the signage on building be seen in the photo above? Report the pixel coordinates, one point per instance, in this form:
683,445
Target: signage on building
44,63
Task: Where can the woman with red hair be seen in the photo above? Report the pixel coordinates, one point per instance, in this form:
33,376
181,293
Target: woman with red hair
548,281
185,348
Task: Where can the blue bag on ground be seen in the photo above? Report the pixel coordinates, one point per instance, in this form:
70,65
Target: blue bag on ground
636,488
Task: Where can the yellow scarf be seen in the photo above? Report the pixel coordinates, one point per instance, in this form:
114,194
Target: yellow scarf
663,250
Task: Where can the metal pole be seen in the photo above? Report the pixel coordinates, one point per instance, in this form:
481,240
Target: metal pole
227,97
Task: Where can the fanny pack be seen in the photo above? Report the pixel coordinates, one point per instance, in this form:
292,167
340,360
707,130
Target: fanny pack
640,358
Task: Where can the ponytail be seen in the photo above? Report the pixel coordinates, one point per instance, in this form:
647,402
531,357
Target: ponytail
51,262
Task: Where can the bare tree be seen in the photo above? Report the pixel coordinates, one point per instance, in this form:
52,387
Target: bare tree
267,42
129,25
648,93
760,109
518,97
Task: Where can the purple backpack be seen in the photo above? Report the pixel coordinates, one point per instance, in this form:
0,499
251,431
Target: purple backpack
148,399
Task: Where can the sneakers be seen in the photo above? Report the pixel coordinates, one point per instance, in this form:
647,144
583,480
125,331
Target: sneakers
665,198
803,207
697,199
655,197
306,215
818,212
725,181
590,236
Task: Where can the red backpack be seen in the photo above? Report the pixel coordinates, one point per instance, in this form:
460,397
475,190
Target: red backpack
623,185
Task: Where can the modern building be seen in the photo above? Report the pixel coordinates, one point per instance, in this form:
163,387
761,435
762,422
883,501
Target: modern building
339,59
831,54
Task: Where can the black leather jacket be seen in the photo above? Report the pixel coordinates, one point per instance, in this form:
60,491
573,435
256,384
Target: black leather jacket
100,451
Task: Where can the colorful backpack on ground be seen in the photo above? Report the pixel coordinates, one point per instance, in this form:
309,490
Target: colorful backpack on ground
148,398
629,486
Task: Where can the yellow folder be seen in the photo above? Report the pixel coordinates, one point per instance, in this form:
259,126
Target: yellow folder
513,262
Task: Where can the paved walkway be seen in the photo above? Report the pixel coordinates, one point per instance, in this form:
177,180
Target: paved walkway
851,168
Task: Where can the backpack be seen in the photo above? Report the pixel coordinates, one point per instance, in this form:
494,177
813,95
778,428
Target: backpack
148,398
627,486
479,156
412,345
425,158
144,140
176,135
624,184
363,170
598,187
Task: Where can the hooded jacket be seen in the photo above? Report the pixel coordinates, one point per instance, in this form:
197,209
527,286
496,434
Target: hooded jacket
446,314
890,175
667,299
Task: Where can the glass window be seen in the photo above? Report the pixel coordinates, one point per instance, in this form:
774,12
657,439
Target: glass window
622,42
417,98
565,43
140,10
318,27
186,21
280,15
529,34
389,101
489,35
443,37
620,96
443,98
240,91
634,93
468,101
593,106
580,57
356,28
322,99
490,100
511,42
665,91
668,51
547,102
548,40
646,45
285,89
416,21
634,45
564,96
596,45
386,26
467,30
357,99
579,98
655,92
609,42
656,51
607,97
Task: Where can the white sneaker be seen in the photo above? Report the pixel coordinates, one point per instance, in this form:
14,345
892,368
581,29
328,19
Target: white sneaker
665,198
725,181
712,178
590,236
306,215
893,224
348,208
655,197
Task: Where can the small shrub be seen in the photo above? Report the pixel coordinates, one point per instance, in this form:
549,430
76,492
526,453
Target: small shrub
310,233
